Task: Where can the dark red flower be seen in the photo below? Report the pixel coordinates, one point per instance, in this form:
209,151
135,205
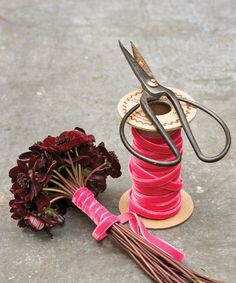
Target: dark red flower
23,178
113,168
18,209
35,216
43,168
48,144
45,178
66,141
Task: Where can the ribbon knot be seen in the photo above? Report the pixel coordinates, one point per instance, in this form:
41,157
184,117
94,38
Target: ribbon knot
84,199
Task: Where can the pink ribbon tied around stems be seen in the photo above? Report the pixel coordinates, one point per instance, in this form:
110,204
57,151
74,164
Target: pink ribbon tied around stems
84,199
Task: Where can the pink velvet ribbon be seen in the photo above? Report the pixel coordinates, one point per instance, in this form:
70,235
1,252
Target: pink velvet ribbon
84,199
156,190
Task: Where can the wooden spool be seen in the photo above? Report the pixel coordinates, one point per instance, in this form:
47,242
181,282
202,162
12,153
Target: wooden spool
170,121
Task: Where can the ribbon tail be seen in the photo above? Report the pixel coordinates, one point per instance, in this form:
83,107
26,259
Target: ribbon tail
138,227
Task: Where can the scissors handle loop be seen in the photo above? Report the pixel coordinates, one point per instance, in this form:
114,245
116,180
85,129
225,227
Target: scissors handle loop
153,91
144,103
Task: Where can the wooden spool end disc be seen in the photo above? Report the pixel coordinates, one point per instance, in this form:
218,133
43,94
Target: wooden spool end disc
184,213
166,112
167,115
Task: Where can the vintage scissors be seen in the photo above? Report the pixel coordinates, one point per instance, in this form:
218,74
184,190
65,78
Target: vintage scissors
152,92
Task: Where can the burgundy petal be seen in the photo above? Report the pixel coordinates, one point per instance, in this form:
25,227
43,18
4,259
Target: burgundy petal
22,165
42,202
26,155
14,172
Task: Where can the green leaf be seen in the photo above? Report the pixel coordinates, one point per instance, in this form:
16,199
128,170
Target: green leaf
48,210
85,172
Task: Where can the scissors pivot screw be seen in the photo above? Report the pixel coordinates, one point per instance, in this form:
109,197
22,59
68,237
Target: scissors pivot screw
152,83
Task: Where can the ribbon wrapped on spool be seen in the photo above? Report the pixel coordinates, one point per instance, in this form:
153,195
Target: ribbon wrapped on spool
156,193
156,190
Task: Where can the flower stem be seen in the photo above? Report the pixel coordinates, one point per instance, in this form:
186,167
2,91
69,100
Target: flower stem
54,190
57,178
77,174
56,198
73,169
68,190
70,174
80,175
66,182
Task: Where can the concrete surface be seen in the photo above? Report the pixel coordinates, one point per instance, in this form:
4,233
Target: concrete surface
61,67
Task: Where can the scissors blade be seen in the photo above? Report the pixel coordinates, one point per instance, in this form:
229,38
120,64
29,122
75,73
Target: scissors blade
140,60
139,72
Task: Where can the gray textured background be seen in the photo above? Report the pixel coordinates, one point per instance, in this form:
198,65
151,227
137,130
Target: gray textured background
61,67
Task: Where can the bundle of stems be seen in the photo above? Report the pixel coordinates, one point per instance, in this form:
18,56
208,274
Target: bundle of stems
157,264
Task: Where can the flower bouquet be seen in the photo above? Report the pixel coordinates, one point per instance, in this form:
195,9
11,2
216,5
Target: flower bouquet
71,170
